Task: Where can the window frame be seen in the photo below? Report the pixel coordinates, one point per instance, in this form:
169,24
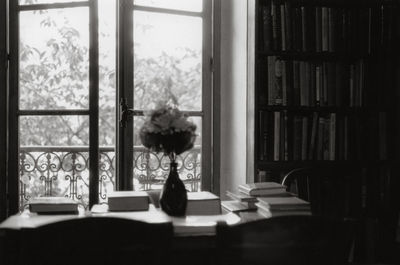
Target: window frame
125,92
15,113
10,113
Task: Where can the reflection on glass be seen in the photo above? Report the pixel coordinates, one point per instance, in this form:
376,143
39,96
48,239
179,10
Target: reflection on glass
54,130
54,64
107,77
167,60
187,5
31,2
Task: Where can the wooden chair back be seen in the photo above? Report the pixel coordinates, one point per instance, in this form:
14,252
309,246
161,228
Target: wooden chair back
97,240
285,240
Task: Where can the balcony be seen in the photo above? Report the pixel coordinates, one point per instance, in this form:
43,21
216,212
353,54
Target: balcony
64,171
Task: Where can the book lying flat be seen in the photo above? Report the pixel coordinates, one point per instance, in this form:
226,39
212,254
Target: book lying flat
241,197
53,205
236,206
128,201
203,203
262,188
274,213
283,203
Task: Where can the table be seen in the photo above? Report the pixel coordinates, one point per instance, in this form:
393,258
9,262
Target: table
194,236
192,225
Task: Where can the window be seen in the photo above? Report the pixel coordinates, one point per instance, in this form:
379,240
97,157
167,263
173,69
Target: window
75,65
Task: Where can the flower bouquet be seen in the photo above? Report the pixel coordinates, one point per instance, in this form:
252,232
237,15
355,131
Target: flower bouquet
168,130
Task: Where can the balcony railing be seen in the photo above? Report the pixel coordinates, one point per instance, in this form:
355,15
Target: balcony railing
64,171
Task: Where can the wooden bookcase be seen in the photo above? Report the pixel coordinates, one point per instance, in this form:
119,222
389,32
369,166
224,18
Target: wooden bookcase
324,90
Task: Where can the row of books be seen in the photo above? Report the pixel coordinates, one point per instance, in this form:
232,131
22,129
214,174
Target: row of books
287,136
289,27
305,83
265,197
199,203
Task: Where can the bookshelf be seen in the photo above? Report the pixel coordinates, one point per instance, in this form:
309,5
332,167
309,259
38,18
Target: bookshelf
323,91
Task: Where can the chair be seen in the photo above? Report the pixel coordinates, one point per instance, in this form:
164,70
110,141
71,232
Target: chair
285,240
332,192
97,240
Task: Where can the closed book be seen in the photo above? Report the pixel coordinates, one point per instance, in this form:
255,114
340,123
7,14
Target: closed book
128,201
262,188
53,205
267,27
236,206
264,211
241,197
283,203
203,203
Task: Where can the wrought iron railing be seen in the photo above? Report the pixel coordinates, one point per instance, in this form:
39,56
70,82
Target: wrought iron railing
64,171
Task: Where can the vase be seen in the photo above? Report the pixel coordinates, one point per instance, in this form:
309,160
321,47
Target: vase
173,197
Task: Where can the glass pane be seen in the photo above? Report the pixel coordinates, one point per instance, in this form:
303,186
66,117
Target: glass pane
31,2
167,60
107,89
54,64
107,77
187,5
151,169
54,130
54,157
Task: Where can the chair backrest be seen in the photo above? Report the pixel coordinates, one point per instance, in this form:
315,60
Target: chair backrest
97,240
285,240
333,192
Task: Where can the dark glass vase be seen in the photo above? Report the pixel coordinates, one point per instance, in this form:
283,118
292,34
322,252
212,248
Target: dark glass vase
173,197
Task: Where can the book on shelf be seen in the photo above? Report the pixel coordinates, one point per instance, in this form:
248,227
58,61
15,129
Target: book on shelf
203,203
53,205
283,203
128,201
262,188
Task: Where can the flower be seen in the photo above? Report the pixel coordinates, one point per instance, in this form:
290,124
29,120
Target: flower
168,130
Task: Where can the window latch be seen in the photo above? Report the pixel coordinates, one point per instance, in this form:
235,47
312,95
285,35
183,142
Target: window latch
125,112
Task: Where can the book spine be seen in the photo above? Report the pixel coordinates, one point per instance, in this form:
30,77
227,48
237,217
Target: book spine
267,27
325,29
304,138
283,26
318,29
332,136
277,135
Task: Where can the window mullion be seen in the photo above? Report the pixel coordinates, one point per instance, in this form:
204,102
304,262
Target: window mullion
124,153
13,118
206,150
93,104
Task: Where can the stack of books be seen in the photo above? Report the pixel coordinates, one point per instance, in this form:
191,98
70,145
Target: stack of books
282,205
240,202
245,198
